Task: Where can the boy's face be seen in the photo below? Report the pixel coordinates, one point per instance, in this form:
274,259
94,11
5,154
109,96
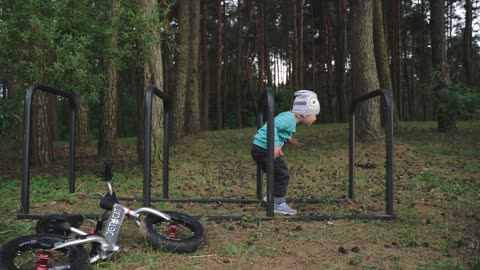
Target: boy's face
309,119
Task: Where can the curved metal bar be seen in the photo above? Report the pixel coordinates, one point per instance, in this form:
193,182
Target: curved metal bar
152,211
147,163
27,134
105,245
387,97
269,98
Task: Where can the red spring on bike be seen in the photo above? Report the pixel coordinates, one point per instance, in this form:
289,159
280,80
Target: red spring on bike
173,230
43,263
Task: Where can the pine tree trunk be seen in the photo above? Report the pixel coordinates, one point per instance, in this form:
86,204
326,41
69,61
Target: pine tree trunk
467,43
152,75
42,141
260,48
83,133
181,82
396,59
240,61
266,42
107,141
300,66
219,108
381,52
340,60
424,70
295,52
193,106
364,71
205,97
445,119
312,38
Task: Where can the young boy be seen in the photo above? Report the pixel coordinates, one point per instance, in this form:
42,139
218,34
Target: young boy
305,110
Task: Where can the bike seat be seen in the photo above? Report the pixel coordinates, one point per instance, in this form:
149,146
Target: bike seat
58,224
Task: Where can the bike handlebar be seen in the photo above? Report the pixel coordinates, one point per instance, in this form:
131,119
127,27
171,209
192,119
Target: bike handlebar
108,170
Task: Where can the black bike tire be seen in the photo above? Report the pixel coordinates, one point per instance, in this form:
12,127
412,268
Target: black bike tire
163,242
78,254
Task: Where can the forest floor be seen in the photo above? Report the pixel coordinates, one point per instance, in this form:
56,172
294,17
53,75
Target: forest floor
436,184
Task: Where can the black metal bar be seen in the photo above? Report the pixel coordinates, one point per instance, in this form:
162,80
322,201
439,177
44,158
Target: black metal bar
254,218
147,167
27,134
226,200
387,98
39,216
269,98
299,218
259,170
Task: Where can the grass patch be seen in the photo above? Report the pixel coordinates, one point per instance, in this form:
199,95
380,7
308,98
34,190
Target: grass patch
436,200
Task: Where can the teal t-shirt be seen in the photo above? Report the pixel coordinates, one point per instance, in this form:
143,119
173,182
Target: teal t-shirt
285,127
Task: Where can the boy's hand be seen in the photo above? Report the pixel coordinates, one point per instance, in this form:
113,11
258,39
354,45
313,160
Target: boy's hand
292,142
277,152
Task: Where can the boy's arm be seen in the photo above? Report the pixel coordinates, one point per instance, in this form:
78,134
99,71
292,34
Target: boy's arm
277,152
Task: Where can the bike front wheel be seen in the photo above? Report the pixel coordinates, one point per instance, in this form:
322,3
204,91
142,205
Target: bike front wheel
182,234
33,251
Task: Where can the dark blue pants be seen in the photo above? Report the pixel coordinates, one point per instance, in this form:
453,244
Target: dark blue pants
280,170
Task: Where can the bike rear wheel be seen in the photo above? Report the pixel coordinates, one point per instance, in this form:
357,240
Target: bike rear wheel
182,234
27,252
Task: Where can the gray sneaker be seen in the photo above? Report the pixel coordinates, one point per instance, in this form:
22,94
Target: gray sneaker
284,208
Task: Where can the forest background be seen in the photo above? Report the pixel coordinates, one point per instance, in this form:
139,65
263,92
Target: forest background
213,60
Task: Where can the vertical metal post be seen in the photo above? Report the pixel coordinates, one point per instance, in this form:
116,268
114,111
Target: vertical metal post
269,99
389,150
166,146
270,147
147,167
259,170
27,136
351,156
387,97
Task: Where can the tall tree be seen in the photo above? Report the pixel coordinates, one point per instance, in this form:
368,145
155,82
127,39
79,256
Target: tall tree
205,97
193,105
267,24
179,94
381,52
340,55
240,63
152,75
445,119
394,30
364,71
42,134
300,65
107,139
219,110
83,131
296,46
260,45
467,42
424,61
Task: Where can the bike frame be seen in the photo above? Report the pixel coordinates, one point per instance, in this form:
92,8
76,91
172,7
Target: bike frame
108,239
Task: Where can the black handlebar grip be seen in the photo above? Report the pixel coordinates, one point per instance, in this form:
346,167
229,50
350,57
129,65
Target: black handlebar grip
108,170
